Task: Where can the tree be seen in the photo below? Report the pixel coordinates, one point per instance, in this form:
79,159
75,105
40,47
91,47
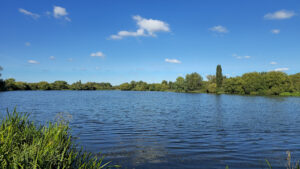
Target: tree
219,76
254,83
22,86
234,85
77,85
125,86
211,78
10,84
277,82
212,88
180,85
141,86
43,85
59,85
295,78
193,81
2,83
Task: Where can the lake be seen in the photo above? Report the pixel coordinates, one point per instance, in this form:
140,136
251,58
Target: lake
172,130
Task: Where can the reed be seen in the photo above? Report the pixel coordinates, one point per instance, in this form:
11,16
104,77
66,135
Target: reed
26,145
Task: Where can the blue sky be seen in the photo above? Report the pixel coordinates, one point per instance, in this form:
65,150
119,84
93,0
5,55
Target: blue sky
118,41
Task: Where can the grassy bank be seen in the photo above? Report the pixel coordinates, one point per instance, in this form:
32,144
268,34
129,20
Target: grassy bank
26,145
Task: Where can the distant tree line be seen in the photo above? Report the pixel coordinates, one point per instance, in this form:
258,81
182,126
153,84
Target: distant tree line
254,83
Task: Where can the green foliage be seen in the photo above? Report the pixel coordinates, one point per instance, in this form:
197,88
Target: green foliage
234,85
77,86
125,86
253,83
10,84
212,88
180,85
211,78
59,85
25,145
219,76
193,81
43,85
2,82
296,81
140,86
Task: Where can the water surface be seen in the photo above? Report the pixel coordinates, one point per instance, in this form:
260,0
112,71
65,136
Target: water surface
172,130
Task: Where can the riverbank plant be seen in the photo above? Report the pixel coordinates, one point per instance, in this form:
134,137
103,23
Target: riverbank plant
26,145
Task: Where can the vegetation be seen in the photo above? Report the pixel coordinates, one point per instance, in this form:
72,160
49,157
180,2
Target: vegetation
254,83
2,83
25,145
219,77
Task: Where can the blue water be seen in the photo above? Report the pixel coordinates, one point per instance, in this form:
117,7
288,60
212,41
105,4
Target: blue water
172,130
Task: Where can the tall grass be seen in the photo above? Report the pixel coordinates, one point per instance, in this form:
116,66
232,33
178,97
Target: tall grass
26,145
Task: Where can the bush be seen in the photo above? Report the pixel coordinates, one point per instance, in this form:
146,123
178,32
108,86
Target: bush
25,145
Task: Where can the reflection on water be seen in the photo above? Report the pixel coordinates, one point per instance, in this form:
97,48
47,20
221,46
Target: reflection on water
172,130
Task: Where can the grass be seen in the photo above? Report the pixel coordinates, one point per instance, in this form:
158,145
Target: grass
290,94
26,145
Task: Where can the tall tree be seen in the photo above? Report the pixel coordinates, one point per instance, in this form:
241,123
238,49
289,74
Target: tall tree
219,76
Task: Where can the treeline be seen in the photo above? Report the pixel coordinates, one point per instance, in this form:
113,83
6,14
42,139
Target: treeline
11,84
254,83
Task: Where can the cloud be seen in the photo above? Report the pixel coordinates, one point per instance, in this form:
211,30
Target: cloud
27,43
146,27
219,29
241,57
279,15
70,60
25,12
33,62
60,12
172,60
275,31
52,58
98,54
281,69
273,63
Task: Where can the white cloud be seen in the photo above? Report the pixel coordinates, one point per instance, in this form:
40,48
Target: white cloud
275,31
281,69
52,58
282,14
172,60
146,27
98,54
273,63
219,29
25,12
33,62
60,12
241,57
27,43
